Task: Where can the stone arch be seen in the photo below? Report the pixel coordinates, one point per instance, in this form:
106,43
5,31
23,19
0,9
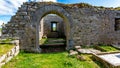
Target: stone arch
51,9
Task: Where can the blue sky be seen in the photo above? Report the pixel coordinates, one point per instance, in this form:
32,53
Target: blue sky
106,3
8,8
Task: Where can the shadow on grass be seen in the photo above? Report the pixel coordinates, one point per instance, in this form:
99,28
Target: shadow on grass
21,51
97,62
53,52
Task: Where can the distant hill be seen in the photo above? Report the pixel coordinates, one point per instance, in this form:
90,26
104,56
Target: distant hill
0,29
117,8
86,5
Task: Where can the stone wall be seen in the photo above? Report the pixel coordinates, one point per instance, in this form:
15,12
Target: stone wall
83,25
47,20
9,55
94,26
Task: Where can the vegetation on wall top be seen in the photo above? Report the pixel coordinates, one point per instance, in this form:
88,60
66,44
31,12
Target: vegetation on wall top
117,8
80,5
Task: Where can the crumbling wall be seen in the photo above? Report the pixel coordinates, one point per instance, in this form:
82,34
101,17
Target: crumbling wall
84,25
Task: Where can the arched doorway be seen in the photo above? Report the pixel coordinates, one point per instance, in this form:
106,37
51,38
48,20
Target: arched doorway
52,35
51,9
52,26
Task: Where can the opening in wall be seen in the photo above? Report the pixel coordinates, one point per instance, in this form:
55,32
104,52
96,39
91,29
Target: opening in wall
117,24
54,26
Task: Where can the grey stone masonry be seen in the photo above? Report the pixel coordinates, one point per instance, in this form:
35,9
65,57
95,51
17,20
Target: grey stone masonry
82,25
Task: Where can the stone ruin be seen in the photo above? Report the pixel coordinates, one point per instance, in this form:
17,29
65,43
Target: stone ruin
82,25
46,29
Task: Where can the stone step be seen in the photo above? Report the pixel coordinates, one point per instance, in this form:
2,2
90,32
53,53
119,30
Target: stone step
72,53
52,48
54,44
57,41
77,47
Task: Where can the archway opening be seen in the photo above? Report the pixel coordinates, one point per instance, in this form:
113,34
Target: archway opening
52,33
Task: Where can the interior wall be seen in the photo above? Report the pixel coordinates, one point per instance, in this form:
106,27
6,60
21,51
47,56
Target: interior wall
47,20
41,28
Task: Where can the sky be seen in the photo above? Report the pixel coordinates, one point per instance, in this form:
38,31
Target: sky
8,8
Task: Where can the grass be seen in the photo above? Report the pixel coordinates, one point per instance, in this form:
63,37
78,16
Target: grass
43,40
51,60
55,60
105,48
8,40
108,48
87,47
4,48
0,29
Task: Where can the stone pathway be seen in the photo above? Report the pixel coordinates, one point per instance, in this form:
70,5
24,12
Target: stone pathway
78,49
88,51
113,59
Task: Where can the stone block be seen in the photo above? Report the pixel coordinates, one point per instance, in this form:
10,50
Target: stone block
73,53
23,8
9,54
13,51
77,47
1,64
27,17
2,58
81,58
21,13
8,59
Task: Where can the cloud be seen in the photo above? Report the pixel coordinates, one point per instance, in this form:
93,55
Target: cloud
9,7
44,0
1,22
50,0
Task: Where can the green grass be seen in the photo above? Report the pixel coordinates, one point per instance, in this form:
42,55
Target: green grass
43,40
54,29
0,29
108,48
8,40
4,48
84,46
51,60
